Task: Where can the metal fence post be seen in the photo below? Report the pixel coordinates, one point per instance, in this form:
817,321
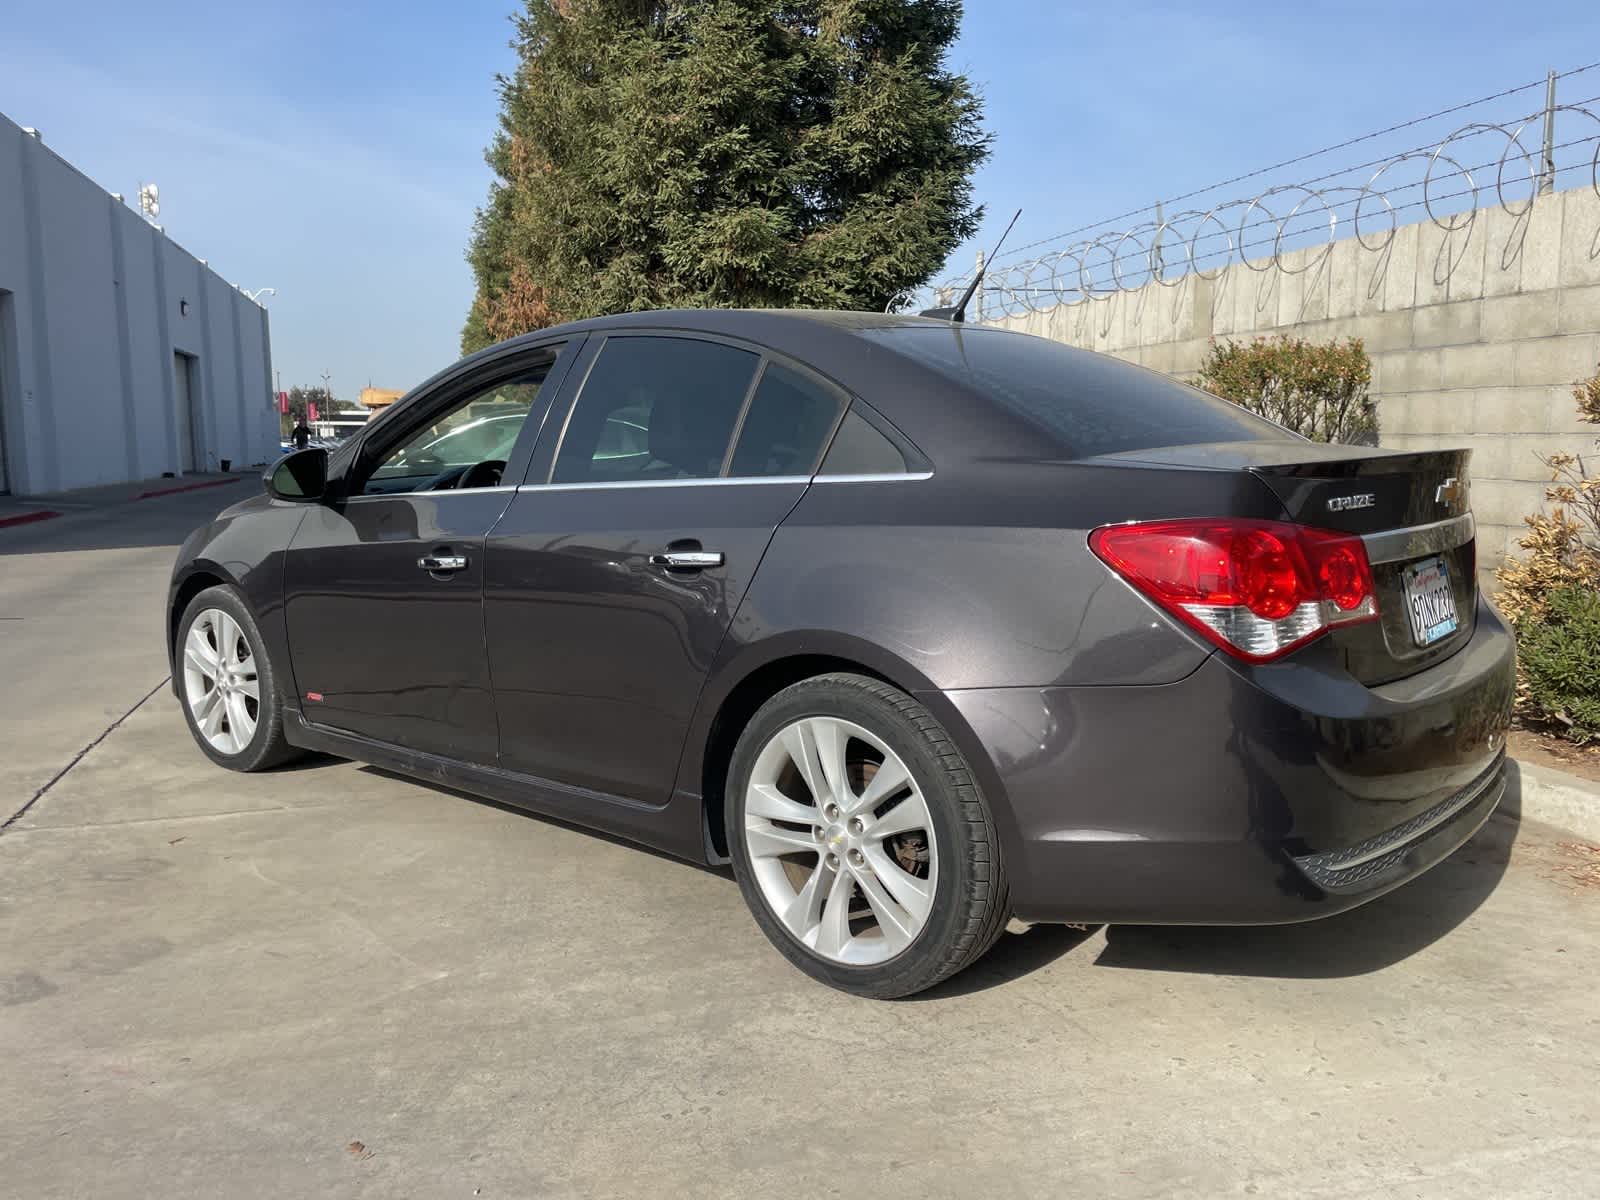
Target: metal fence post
977,300
1547,171
1156,261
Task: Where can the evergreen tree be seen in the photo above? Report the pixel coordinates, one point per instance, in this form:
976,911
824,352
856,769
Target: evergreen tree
745,153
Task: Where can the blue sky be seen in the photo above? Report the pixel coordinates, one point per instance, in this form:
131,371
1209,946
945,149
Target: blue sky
334,151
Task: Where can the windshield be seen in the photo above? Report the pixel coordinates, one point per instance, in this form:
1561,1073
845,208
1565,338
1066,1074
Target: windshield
1091,403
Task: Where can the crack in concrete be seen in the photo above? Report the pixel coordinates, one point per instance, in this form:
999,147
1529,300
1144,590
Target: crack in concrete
79,756
273,810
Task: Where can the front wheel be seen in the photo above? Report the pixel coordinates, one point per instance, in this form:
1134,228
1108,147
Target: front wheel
227,684
860,839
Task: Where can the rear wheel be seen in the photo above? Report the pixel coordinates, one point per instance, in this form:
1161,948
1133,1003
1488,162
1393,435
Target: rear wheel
228,687
860,839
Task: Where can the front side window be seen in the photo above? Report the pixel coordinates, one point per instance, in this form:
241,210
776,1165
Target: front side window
465,446
655,408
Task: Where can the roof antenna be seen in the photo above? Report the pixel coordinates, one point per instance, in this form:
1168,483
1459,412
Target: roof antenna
958,314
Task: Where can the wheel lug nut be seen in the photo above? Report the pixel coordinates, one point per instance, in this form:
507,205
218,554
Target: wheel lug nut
855,825
833,861
831,812
818,832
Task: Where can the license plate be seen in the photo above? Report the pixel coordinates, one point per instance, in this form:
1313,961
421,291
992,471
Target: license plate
1430,601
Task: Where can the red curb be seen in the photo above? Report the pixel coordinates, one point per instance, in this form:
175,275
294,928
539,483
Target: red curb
29,518
185,487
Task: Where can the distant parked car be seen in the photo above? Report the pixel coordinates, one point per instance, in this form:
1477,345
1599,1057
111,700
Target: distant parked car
920,626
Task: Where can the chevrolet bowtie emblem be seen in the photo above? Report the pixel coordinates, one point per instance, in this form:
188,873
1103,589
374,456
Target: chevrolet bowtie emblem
1447,492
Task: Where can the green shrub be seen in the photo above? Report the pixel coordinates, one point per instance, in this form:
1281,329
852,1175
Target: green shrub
1563,545
1318,390
1560,655
1551,593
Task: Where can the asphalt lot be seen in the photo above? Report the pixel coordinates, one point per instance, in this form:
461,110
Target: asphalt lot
333,982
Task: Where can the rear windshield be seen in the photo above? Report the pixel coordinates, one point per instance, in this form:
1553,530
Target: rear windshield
1091,403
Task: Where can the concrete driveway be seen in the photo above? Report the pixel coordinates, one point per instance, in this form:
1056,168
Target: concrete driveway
333,982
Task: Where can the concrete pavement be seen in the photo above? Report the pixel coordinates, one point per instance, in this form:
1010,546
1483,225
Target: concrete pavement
82,600
328,981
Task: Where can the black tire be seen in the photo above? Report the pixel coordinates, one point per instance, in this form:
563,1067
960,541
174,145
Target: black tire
268,747
971,901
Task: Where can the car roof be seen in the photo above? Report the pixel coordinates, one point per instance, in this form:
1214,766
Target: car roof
946,418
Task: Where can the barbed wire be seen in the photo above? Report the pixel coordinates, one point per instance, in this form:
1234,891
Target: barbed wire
1475,167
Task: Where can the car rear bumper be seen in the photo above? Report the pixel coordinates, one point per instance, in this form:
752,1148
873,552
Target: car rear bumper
1242,795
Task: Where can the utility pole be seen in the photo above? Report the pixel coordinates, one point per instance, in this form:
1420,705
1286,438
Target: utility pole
1547,173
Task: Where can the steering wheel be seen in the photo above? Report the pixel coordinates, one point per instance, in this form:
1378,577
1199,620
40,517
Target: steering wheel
484,474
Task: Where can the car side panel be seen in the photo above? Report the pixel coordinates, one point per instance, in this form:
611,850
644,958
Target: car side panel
986,582
244,546
598,655
1258,768
393,651
983,573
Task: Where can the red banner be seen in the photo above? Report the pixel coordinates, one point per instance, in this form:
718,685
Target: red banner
311,410
283,402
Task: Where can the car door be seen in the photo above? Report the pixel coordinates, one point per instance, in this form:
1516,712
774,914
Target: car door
616,570
383,586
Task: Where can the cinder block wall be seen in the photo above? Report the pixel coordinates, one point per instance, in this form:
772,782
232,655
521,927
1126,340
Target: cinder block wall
1476,336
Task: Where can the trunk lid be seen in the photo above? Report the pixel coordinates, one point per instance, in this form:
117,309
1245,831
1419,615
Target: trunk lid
1413,510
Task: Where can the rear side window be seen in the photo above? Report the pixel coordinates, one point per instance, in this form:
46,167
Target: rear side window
859,449
655,408
788,423
1090,403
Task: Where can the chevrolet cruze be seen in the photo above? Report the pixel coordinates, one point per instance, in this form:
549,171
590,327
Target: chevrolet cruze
919,626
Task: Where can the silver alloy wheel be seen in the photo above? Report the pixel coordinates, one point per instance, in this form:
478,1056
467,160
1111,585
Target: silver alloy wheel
840,841
219,681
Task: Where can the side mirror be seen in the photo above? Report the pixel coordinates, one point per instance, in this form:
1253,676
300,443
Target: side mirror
298,477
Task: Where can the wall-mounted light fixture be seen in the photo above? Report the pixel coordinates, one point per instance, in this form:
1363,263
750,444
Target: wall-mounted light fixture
183,308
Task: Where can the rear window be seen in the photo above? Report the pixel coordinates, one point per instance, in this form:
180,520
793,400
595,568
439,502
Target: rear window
790,418
1091,403
859,449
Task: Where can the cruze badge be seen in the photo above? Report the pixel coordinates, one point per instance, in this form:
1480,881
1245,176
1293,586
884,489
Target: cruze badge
1345,503
1447,492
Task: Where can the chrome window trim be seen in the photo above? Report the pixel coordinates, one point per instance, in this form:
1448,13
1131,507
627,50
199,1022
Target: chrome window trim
476,491
1397,545
881,477
591,485
715,481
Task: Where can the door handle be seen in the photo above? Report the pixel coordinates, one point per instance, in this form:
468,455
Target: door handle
687,560
442,562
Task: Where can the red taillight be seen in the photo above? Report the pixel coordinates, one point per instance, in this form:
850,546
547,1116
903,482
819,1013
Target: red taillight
1258,589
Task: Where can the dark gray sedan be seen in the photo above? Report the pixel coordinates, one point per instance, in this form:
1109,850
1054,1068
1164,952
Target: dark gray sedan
920,626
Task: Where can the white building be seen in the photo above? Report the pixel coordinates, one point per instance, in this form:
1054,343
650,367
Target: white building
122,356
